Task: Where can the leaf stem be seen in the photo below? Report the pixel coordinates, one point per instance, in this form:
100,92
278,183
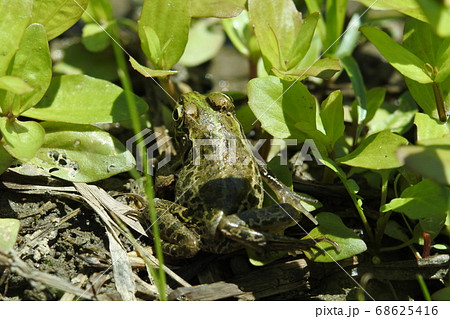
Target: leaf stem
439,102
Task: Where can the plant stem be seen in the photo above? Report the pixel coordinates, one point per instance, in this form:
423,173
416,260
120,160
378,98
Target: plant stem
439,102
384,185
423,287
124,77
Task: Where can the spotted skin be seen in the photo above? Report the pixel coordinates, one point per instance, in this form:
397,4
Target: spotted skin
218,190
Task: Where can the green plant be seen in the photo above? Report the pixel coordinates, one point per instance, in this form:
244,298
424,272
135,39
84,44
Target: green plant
63,145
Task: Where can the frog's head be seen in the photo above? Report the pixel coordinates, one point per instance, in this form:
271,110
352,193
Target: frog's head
204,116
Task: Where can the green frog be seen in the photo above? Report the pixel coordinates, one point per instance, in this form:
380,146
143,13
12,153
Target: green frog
219,188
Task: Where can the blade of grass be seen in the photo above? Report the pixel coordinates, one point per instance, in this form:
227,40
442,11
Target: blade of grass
160,277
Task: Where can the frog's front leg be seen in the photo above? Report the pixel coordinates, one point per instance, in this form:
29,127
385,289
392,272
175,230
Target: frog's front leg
177,239
285,194
251,228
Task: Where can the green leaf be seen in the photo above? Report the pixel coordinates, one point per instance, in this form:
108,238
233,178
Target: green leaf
335,18
147,72
172,36
13,84
9,229
376,152
419,38
441,295
396,118
33,64
438,14
443,61
276,25
5,159
351,37
238,31
57,15
406,62
332,115
82,99
375,98
81,153
408,7
22,139
332,227
430,128
279,108
431,161
218,9
303,41
150,45
94,37
206,38
425,199
354,73
15,17
78,60
323,68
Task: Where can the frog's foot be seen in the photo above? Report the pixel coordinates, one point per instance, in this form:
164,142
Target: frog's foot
177,240
261,229
285,194
260,240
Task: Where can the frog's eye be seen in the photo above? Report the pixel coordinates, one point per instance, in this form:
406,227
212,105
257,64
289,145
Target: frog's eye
220,102
178,114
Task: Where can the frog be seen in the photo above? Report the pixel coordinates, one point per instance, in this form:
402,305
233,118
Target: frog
218,188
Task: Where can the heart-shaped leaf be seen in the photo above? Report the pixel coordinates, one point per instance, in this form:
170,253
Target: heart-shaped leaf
81,153
332,227
22,139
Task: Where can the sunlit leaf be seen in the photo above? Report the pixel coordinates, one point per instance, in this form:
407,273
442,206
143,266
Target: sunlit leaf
406,62
172,36
376,152
425,199
206,38
147,72
81,153
332,115
22,139
429,128
94,37
323,68
431,161
57,15
218,9
82,99
15,17
279,108
33,64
